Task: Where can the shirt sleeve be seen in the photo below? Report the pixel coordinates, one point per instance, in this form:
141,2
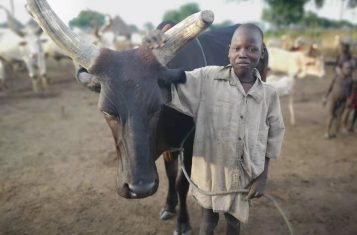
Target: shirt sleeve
186,96
276,128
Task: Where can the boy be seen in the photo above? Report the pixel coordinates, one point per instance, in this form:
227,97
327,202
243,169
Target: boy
239,128
351,106
336,98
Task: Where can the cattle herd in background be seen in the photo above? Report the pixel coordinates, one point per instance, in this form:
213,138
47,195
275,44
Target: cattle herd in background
289,59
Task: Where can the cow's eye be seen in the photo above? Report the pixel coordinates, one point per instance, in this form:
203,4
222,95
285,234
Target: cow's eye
109,115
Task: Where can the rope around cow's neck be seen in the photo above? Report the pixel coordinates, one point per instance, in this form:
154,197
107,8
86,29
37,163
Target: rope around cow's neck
208,193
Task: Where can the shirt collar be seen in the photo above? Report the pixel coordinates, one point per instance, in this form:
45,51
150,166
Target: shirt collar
228,75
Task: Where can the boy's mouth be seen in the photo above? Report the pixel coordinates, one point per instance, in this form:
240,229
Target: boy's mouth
243,64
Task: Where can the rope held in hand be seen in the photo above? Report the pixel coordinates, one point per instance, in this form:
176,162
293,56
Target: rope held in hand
207,193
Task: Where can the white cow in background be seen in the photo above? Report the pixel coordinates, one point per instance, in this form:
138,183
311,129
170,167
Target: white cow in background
25,44
2,74
297,64
284,85
293,65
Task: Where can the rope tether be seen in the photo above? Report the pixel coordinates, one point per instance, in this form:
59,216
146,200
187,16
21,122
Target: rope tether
207,193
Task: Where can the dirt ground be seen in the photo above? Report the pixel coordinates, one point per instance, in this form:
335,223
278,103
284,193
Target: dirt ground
57,174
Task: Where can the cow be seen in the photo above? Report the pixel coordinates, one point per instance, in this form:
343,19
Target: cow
296,64
133,87
29,49
285,42
2,74
284,85
292,65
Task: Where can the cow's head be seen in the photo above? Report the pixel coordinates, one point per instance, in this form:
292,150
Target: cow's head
313,63
130,97
30,33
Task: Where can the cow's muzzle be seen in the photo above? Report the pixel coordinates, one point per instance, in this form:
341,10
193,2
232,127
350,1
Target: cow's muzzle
139,190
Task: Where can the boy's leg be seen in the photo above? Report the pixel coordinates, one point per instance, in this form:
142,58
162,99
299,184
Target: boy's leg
330,120
345,117
340,110
209,222
329,127
233,225
353,122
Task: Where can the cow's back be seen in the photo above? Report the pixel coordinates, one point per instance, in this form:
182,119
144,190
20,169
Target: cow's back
282,61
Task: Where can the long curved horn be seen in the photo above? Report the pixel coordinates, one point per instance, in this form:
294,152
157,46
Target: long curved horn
15,25
83,52
179,35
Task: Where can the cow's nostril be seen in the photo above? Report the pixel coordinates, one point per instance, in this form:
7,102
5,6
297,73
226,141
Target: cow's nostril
142,189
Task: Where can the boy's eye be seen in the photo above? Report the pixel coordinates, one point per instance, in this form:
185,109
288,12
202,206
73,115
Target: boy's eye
236,49
249,49
253,49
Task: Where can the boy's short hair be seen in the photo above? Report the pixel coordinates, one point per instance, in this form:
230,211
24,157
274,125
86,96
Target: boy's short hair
253,27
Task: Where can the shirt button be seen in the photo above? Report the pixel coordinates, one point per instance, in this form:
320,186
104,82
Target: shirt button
241,117
239,138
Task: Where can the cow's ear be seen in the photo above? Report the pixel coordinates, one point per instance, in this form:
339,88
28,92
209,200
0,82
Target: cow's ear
172,76
88,80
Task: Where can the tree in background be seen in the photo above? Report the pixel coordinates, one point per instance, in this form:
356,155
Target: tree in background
180,14
221,25
148,26
310,19
187,10
284,13
87,19
133,28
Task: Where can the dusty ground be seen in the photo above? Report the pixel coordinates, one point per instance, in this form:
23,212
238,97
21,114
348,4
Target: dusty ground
57,174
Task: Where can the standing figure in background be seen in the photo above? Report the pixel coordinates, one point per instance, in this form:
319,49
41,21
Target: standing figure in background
336,98
351,107
344,54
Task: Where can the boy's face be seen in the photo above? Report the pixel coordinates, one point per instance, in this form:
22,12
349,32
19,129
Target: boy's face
245,50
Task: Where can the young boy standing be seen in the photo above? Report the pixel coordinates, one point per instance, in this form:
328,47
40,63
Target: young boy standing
239,128
336,97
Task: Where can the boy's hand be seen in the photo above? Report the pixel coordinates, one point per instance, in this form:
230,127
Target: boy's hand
256,187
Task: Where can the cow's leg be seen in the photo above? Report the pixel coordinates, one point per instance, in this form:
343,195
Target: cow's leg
233,225
44,82
34,83
183,226
169,211
31,72
291,108
41,64
2,74
209,222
